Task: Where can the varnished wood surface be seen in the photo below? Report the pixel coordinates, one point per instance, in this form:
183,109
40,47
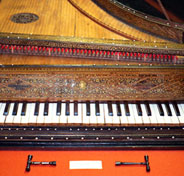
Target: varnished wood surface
43,60
56,17
61,18
22,60
102,17
73,21
154,26
50,83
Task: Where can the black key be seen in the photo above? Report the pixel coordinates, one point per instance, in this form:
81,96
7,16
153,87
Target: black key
127,111
58,109
37,107
148,110
75,108
139,110
176,108
109,104
46,109
168,109
6,109
23,111
160,109
97,108
15,108
118,108
67,110
88,111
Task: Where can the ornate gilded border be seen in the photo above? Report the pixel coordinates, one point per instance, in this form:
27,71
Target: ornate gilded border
90,43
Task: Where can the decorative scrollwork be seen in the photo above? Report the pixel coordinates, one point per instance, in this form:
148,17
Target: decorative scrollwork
24,18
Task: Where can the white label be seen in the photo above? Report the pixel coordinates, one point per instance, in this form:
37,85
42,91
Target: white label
85,165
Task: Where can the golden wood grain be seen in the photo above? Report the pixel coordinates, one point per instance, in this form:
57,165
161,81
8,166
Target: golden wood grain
40,61
108,21
56,17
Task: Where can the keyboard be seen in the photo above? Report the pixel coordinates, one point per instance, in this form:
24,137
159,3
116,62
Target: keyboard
102,125
102,113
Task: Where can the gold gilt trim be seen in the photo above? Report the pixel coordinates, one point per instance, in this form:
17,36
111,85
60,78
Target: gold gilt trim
91,68
91,43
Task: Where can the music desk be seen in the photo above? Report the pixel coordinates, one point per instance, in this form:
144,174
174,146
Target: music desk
162,163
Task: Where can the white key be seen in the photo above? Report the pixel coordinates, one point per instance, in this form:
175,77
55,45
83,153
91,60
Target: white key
101,118
131,118
138,119
17,118
116,118
167,119
145,117
89,119
92,117
52,113
181,117
174,117
10,117
123,117
25,118
32,119
182,106
2,117
85,118
108,118
153,117
63,118
41,117
72,118
78,118
48,118
160,119
0,105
